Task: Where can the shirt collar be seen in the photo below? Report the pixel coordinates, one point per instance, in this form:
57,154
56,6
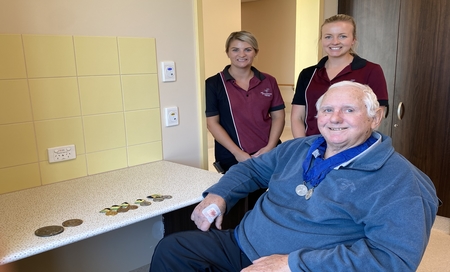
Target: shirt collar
357,62
256,72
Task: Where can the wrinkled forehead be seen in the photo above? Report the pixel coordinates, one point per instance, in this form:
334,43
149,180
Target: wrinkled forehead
343,95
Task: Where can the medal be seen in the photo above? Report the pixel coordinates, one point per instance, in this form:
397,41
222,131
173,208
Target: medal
301,190
309,193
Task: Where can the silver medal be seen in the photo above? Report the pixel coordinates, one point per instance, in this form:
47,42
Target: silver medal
301,190
309,193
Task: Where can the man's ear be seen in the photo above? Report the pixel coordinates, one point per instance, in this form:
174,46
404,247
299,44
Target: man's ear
377,118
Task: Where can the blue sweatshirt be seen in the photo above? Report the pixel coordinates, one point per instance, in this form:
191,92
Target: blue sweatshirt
373,213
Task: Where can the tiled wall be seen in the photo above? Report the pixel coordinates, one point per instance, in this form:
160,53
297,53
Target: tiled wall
98,93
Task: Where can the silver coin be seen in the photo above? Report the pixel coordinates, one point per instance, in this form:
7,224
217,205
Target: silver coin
167,196
145,203
72,223
158,199
301,190
49,231
309,193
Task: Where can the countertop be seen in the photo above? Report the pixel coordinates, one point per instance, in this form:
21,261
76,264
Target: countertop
23,212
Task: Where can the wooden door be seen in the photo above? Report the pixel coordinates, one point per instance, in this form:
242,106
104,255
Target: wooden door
420,77
423,86
377,41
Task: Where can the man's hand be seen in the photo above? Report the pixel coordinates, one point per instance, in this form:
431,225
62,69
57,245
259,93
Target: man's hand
200,219
273,263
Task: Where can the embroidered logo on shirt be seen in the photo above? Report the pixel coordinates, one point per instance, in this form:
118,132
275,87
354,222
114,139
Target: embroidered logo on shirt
267,92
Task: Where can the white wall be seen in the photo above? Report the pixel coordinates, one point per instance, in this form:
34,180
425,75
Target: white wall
220,18
172,23
273,24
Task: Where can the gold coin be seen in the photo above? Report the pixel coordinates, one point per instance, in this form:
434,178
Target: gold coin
72,223
49,231
105,210
123,209
133,207
111,213
154,196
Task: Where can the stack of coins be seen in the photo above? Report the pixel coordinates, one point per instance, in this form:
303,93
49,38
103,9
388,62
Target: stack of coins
158,197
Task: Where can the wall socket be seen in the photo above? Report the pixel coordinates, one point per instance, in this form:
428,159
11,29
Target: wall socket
61,153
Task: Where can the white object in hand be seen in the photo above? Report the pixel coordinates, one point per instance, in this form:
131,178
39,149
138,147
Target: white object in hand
211,212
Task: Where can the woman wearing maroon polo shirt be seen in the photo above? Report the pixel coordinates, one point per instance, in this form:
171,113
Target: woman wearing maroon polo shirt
244,113
244,107
338,37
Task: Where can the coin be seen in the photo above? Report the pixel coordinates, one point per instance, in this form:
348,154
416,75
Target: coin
158,199
139,200
154,196
72,223
167,196
111,213
48,231
105,210
133,207
145,203
123,209
115,207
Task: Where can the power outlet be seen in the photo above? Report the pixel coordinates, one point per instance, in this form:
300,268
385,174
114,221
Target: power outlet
61,153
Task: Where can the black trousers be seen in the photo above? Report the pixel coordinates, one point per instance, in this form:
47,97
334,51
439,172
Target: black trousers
212,251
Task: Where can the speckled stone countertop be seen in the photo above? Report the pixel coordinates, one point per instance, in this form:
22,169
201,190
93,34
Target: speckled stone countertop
23,212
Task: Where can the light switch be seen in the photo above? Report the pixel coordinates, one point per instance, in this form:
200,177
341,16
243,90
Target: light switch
171,116
168,71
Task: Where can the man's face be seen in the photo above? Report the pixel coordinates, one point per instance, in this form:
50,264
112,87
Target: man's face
342,119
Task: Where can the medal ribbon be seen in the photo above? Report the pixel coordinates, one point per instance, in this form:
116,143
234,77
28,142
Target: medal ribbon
316,173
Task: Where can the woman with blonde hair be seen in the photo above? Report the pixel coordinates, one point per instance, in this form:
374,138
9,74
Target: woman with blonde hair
338,39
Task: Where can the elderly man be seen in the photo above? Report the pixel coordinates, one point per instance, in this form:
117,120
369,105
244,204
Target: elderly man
342,201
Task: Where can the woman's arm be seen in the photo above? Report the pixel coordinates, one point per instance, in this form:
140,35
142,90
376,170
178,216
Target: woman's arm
298,121
221,136
276,129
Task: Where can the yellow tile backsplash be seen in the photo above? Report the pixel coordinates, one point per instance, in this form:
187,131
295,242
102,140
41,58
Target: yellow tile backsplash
54,97
49,56
14,102
108,160
11,57
59,132
54,172
96,56
103,132
19,177
17,145
99,93
139,154
143,126
136,56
